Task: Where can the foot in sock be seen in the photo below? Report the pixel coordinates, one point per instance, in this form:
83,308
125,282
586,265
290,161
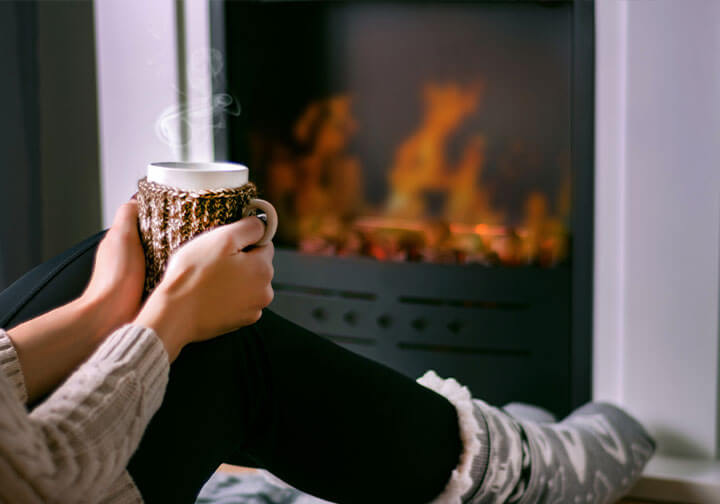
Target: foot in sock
595,455
523,411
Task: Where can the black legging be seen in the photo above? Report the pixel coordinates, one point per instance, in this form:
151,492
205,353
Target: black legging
276,396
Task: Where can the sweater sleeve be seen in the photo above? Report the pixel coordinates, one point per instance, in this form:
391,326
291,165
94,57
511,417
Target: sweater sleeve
75,446
10,366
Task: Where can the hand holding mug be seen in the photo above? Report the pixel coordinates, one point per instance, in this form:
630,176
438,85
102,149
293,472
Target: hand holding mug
206,280
211,286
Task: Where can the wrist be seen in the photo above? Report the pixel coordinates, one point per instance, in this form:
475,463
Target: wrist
93,313
169,324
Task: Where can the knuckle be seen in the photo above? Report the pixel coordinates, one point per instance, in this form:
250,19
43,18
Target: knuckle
227,243
127,211
268,296
257,225
123,209
252,226
112,239
124,234
102,248
267,272
255,316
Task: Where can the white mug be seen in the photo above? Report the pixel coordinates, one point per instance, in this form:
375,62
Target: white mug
205,176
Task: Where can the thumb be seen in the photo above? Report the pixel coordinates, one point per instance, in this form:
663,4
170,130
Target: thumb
126,218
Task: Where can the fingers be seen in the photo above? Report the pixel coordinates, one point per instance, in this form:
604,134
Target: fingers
245,232
229,239
259,261
264,253
261,258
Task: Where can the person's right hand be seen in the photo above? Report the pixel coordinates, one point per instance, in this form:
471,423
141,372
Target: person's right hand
211,286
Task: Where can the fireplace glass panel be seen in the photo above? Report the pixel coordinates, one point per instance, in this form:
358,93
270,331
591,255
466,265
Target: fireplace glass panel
413,132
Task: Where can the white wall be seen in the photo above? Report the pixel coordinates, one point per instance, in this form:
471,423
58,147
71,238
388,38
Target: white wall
137,75
658,217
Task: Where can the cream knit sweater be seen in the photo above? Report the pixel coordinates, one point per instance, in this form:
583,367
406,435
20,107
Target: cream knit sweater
74,446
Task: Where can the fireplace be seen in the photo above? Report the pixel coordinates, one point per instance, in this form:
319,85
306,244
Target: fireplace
431,164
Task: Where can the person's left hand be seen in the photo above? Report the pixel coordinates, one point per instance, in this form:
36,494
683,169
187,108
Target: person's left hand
116,286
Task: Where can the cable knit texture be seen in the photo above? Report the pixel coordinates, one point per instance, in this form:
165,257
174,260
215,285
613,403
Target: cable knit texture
74,446
169,217
10,366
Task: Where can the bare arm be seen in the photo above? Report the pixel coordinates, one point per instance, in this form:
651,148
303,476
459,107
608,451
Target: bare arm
49,347
52,345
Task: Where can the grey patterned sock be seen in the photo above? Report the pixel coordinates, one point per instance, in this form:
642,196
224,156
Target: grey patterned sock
527,412
593,456
524,411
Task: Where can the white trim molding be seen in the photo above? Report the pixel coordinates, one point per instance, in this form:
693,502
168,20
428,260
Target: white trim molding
610,199
204,63
658,218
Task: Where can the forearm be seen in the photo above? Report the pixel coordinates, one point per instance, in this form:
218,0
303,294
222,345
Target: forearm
51,346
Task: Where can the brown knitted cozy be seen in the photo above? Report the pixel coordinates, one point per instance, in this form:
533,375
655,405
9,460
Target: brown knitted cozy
169,217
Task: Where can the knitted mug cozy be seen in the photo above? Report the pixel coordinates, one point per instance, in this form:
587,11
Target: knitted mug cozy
169,217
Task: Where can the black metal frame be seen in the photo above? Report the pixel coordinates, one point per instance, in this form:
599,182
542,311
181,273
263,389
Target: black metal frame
466,300
583,205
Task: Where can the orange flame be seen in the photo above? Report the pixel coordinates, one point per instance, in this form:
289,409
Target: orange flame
320,194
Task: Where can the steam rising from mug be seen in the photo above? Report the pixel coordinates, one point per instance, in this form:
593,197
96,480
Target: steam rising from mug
200,118
205,113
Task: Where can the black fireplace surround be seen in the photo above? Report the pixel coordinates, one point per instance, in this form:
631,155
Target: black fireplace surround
509,332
